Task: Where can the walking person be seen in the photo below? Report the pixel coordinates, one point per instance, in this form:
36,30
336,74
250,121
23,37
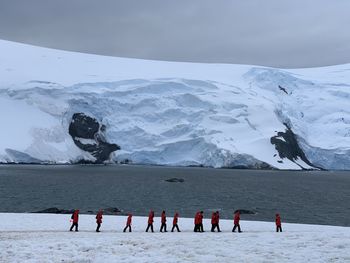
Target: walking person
236,222
150,221
175,220
75,220
278,223
128,223
200,221
196,222
163,221
99,220
215,217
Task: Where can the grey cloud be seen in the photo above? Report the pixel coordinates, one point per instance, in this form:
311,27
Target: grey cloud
289,33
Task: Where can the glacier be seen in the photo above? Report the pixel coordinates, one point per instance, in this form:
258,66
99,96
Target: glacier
170,113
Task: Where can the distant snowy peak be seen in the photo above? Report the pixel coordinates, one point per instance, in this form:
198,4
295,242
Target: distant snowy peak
65,107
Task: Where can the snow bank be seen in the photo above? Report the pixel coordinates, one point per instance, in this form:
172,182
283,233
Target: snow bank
45,238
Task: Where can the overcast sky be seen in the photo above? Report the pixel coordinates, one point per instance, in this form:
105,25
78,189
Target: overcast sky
281,33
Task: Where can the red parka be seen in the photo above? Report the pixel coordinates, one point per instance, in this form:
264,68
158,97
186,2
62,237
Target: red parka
150,217
237,218
163,219
196,218
213,218
128,221
75,216
278,220
99,217
199,217
176,217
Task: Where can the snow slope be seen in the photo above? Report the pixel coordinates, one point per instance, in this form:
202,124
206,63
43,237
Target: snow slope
172,113
45,238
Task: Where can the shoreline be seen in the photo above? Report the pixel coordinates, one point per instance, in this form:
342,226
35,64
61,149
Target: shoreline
167,166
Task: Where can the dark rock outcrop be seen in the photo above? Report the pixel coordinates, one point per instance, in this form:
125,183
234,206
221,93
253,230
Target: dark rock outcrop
55,210
245,212
175,180
88,135
283,89
287,146
111,211
253,166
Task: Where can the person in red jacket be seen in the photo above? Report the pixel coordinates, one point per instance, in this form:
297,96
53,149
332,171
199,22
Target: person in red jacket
201,229
215,217
198,222
75,219
175,220
236,222
150,221
278,223
163,222
128,223
99,220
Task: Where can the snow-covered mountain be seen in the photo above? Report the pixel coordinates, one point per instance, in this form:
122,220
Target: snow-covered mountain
64,107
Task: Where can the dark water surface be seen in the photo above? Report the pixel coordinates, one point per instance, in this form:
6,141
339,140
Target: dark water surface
301,197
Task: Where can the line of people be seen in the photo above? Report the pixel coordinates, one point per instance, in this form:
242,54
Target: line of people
198,222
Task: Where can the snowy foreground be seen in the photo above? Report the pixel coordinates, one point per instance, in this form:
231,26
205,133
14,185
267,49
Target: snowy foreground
169,113
45,238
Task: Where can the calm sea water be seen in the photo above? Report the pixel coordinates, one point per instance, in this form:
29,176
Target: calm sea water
301,197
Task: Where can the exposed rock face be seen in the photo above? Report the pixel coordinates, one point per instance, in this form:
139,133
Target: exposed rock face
175,180
88,135
55,210
244,212
111,211
287,146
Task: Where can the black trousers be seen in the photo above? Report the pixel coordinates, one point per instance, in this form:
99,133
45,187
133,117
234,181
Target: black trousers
128,226
98,227
175,226
74,225
163,226
149,226
239,228
198,228
278,229
213,226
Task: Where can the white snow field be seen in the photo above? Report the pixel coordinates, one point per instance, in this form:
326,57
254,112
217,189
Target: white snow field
171,113
45,238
